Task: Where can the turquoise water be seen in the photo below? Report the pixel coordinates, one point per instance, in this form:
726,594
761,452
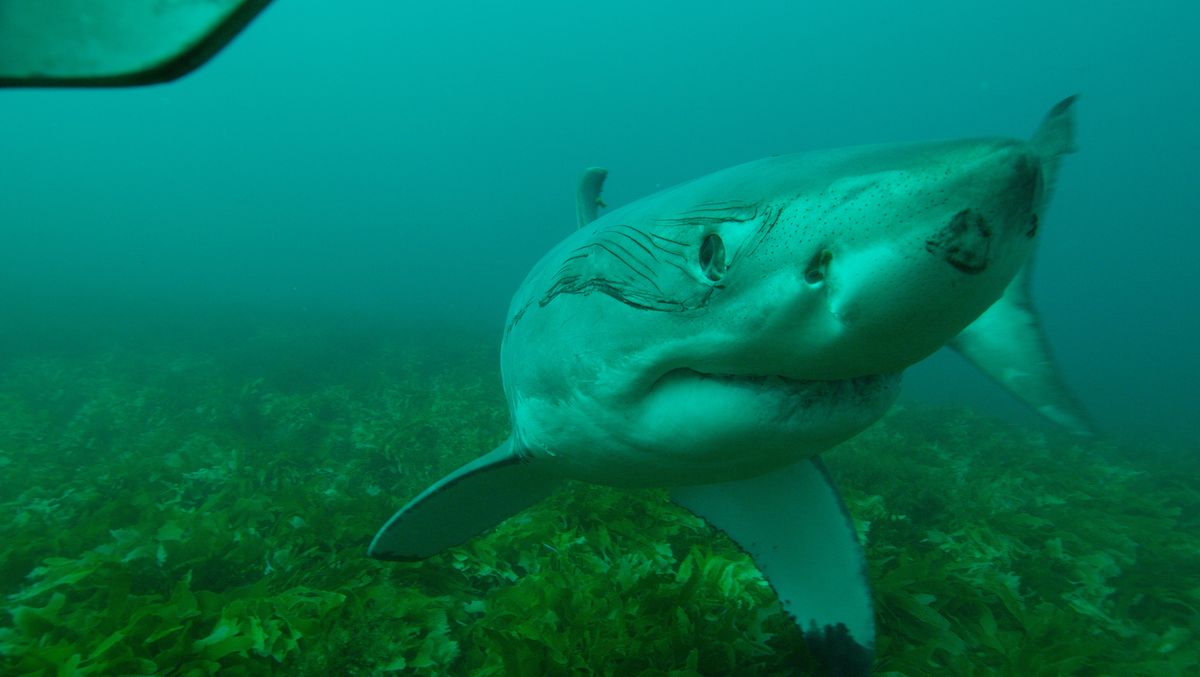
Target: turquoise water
246,315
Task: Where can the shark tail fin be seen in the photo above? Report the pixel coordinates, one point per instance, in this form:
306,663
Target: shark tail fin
1006,342
793,524
470,500
1054,139
587,196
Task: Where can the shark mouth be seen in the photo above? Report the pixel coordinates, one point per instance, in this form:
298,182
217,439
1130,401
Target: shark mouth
808,393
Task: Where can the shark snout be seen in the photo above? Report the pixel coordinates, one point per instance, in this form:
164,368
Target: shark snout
936,267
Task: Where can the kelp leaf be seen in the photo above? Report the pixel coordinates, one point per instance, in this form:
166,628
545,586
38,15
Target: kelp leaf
107,644
58,571
226,638
170,531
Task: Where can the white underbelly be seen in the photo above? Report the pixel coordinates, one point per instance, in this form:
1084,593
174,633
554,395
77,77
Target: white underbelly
696,429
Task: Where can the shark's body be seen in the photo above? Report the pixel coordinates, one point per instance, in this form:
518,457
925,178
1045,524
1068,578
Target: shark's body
717,336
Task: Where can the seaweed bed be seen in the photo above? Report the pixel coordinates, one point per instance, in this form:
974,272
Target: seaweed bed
188,511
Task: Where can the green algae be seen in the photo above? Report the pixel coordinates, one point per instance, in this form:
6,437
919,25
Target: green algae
189,512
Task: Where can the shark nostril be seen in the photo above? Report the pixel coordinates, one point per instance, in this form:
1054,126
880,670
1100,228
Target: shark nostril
818,267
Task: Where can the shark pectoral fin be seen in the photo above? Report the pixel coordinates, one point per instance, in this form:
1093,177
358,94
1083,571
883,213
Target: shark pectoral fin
1006,342
476,497
587,197
792,522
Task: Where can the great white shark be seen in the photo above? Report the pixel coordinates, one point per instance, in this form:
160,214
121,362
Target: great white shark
717,336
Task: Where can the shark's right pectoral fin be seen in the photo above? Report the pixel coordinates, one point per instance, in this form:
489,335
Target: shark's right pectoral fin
472,499
793,524
1007,343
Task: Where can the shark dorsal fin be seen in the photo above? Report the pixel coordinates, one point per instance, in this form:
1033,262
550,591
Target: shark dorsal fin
587,197
1054,139
1007,343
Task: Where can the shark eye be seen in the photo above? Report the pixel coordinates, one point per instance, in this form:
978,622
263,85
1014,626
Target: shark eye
712,257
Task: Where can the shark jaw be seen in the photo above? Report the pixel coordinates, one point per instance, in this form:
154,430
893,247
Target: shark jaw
805,394
694,427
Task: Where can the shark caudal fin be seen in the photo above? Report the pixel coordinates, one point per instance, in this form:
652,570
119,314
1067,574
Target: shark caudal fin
470,500
793,524
587,196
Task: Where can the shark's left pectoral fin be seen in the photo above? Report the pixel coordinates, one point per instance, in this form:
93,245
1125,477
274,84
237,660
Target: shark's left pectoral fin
1007,343
792,522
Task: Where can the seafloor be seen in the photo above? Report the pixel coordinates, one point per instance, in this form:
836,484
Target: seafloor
173,508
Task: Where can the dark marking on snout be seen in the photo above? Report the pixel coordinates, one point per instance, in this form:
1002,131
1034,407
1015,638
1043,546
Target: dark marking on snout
963,243
1033,226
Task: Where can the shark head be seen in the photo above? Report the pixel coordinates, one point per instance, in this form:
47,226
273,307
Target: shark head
764,313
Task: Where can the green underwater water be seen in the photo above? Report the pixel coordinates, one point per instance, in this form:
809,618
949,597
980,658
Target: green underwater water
182,510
